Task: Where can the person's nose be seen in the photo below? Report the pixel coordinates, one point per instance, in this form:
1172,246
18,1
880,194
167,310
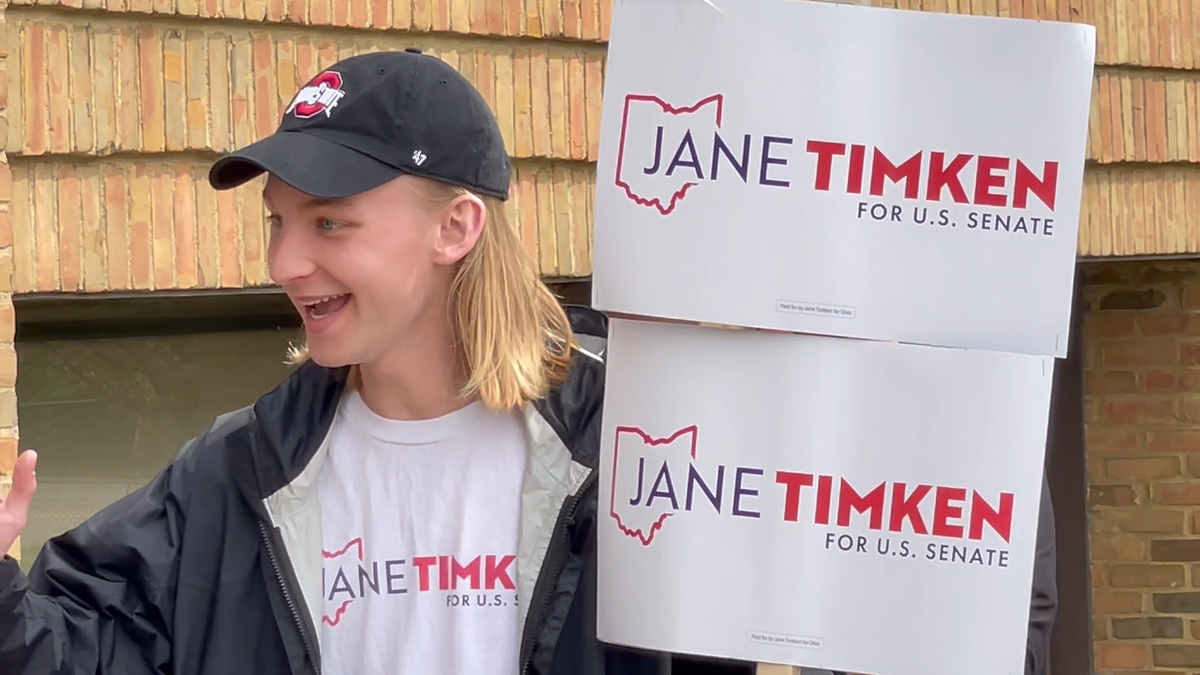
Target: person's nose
289,254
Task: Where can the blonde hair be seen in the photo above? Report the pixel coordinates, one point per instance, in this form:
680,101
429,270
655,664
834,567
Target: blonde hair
514,340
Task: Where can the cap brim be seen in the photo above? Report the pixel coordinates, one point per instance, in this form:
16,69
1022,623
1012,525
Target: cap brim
308,163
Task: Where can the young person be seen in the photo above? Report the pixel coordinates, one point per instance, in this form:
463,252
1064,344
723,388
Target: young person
419,496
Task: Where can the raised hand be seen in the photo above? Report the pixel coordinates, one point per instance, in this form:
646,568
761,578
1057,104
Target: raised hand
14,509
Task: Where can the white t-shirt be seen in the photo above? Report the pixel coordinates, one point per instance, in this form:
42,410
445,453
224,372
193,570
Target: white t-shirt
420,524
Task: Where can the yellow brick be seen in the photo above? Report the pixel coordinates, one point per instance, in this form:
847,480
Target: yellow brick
320,12
129,114
7,273
141,240
70,229
8,378
8,451
254,268
422,15
24,244
255,10
564,244
162,225
533,18
581,221
94,272
185,233
198,93
577,108
118,252
360,13
242,92
143,72
208,242
286,78
298,11
174,97
230,237
8,319
552,18
522,145
560,130
45,200
547,237
219,135
36,97
59,94
572,23
81,91
104,93
266,105
504,105
151,85
14,140
593,95
276,10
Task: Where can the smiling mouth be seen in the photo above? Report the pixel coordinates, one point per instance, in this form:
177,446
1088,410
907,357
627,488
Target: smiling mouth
326,306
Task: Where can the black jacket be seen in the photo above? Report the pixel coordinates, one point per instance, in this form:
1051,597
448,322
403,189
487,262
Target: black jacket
204,570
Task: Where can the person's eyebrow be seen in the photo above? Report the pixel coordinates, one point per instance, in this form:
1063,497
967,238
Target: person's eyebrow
311,202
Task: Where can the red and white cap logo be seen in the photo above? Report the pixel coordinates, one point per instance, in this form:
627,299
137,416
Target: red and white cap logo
320,95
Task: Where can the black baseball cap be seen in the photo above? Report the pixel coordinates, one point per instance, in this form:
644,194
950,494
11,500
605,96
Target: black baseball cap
371,118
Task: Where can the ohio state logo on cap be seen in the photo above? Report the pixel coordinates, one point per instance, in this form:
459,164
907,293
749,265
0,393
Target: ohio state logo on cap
320,95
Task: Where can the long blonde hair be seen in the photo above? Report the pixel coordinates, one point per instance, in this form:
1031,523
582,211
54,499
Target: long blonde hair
514,341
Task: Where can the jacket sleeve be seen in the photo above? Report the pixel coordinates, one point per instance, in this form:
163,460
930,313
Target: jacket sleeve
99,599
1043,605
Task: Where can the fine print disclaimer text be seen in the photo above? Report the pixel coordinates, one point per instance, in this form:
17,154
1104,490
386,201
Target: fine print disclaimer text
815,309
782,640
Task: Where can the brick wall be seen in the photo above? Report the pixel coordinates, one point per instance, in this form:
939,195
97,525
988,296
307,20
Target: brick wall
1143,439
119,106
122,112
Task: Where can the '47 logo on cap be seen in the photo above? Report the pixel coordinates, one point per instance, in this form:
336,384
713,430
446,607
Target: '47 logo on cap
320,95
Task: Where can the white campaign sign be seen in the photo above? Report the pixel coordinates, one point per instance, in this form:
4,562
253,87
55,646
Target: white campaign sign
843,170
861,506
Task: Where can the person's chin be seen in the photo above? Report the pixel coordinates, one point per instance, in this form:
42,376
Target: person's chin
325,353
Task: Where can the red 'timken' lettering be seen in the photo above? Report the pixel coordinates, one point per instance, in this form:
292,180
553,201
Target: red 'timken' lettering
468,573
423,563
825,152
982,512
943,176
986,178
943,511
871,502
824,498
908,508
792,482
1045,187
496,572
908,172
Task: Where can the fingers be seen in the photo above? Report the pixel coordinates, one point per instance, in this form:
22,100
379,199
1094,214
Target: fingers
24,484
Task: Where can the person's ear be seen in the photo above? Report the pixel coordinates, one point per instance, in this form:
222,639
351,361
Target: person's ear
462,222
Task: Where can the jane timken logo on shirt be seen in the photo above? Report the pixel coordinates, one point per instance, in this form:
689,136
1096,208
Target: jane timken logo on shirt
353,577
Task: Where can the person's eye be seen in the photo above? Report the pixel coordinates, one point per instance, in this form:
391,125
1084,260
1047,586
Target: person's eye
275,222
328,225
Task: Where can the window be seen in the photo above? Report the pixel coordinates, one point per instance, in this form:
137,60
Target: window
107,410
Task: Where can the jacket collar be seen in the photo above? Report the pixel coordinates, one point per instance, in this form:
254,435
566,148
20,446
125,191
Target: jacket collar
291,422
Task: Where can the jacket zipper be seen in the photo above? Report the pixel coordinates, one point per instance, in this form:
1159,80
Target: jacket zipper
547,582
287,596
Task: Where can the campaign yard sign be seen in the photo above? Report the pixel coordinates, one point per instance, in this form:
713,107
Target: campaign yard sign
843,170
860,506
